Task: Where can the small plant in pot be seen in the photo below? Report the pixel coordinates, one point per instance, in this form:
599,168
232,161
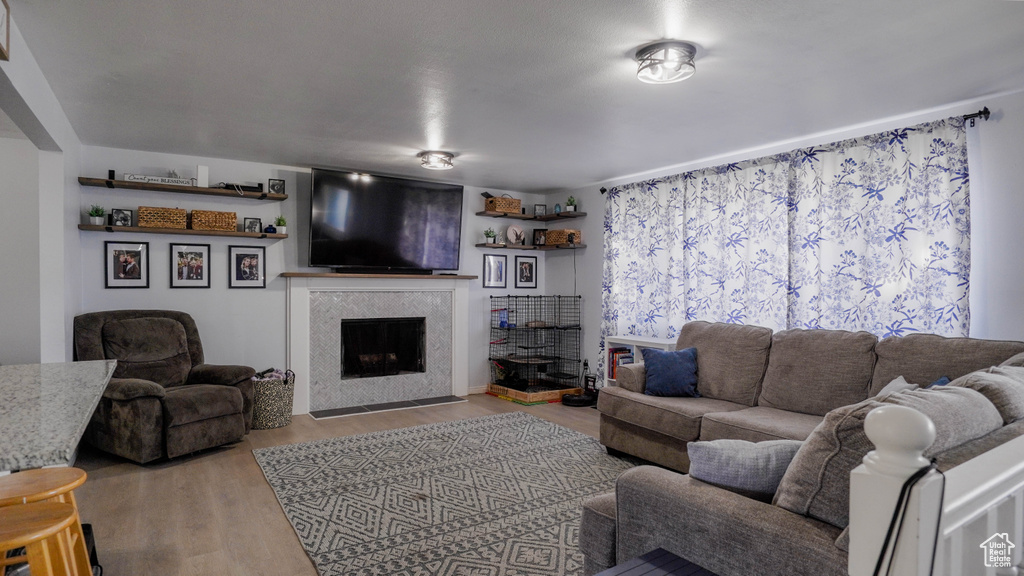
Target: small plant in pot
96,214
490,235
570,204
281,224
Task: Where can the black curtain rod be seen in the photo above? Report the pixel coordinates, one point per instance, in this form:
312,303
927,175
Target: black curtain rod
983,114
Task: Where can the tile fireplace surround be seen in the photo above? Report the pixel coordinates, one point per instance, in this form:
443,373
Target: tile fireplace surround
318,303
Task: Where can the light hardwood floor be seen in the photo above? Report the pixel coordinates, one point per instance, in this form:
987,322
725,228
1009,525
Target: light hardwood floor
213,513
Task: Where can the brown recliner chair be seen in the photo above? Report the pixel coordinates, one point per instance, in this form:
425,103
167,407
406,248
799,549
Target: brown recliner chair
162,400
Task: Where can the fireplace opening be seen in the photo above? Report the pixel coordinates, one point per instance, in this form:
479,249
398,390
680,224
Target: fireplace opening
382,347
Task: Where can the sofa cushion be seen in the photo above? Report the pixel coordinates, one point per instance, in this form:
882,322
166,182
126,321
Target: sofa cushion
817,483
924,358
758,424
815,371
730,358
749,468
1003,391
192,403
676,417
671,372
154,349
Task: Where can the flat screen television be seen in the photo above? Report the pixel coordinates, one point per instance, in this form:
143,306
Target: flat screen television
362,222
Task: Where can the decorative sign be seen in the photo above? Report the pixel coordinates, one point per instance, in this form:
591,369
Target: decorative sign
158,179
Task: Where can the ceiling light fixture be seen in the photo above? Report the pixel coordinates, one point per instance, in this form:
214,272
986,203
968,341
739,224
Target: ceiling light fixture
665,62
434,160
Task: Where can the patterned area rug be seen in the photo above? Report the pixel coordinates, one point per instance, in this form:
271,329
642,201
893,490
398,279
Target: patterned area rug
498,495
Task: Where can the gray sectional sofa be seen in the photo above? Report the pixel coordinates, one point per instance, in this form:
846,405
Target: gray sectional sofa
757,385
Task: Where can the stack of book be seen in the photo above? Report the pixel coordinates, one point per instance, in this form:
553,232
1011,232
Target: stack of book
618,357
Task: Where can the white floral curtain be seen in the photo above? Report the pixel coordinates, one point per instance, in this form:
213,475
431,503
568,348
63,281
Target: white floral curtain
870,234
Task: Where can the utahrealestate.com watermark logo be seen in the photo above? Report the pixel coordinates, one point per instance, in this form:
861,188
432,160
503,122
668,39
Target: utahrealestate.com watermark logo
998,551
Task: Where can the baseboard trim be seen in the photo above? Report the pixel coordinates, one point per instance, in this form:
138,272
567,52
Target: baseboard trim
478,390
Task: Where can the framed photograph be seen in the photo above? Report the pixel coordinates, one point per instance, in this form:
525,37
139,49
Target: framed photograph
275,186
495,271
248,267
119,217
190,265
127,264
5,30
526,271
540,236
252,225
540,210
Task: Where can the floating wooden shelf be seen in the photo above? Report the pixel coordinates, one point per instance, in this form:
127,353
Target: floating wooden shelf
223,192
185,231
545,218
523,247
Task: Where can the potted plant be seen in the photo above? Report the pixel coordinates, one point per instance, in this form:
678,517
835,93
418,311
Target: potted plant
490,234
570,204
96,214
281,224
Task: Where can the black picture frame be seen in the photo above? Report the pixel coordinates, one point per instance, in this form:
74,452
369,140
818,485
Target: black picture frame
254,225
275,186
121,217
126,264
526,272
190,265
540,236
495,271
242,273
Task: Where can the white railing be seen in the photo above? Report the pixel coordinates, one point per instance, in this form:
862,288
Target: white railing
981,531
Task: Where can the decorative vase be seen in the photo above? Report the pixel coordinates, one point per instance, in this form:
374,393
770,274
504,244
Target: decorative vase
282,229
96,220
270,229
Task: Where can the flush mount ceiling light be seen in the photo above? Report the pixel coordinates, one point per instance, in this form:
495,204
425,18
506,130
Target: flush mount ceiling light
665,62
434,160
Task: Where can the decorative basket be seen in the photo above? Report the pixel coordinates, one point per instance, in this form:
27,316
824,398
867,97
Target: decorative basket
151,217
562,236
210,220
503,204
272,400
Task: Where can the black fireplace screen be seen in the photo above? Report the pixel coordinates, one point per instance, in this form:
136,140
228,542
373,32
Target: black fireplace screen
382,347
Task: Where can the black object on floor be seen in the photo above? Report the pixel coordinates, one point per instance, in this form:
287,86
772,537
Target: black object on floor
579,400
90,545
657,563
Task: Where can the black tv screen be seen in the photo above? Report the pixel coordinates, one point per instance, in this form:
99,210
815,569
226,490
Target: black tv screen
381,223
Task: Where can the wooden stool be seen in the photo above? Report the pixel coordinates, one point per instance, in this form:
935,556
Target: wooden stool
42,484
45,530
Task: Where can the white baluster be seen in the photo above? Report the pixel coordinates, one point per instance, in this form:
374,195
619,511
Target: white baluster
900,435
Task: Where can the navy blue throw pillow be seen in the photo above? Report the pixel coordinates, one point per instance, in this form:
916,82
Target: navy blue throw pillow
940,382
671,372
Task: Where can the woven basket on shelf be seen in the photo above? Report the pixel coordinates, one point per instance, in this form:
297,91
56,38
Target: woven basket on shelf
503,204
152,217
562,236
210,220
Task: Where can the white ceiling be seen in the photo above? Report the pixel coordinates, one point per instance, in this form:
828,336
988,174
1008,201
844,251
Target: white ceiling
530,95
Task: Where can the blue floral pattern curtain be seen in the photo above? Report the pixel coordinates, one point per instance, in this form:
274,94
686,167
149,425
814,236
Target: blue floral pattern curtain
870,234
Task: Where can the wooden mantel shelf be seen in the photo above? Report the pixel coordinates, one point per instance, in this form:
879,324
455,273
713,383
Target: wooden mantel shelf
386,276
153,187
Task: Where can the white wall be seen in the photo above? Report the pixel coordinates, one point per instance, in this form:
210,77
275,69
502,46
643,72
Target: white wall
26,97
996,148
248,326
20,260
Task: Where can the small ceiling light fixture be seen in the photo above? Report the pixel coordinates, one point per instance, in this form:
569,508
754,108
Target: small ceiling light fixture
434,160
665,62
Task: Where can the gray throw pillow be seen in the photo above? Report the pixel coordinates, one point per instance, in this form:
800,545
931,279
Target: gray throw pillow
741,466
1003,386
817,482
899,384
